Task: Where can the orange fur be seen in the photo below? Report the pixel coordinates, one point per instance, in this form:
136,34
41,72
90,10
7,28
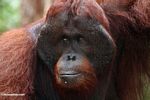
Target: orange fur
79,8
16,60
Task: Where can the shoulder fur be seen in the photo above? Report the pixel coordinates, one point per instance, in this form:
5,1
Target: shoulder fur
16,60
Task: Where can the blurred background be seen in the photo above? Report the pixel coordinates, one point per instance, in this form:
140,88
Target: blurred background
18,13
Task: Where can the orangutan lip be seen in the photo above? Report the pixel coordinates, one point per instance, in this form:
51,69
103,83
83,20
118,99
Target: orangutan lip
69,73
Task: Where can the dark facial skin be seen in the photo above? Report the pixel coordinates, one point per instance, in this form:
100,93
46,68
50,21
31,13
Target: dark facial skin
76,50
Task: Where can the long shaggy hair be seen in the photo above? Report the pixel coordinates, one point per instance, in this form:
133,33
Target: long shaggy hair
16,64
128,19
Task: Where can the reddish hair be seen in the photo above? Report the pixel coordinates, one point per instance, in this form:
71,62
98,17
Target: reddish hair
79,8
133,68
16,64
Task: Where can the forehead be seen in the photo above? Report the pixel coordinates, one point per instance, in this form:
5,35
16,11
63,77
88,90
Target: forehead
72,22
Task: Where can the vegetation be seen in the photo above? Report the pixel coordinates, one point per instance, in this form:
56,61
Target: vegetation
147,92
9,14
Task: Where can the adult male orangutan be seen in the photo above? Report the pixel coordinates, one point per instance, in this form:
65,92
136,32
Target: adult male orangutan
81,50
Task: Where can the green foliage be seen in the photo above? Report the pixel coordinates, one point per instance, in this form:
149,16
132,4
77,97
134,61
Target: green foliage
9,14
147,92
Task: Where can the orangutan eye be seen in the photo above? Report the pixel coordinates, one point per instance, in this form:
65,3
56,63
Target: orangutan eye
65,39
80,39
